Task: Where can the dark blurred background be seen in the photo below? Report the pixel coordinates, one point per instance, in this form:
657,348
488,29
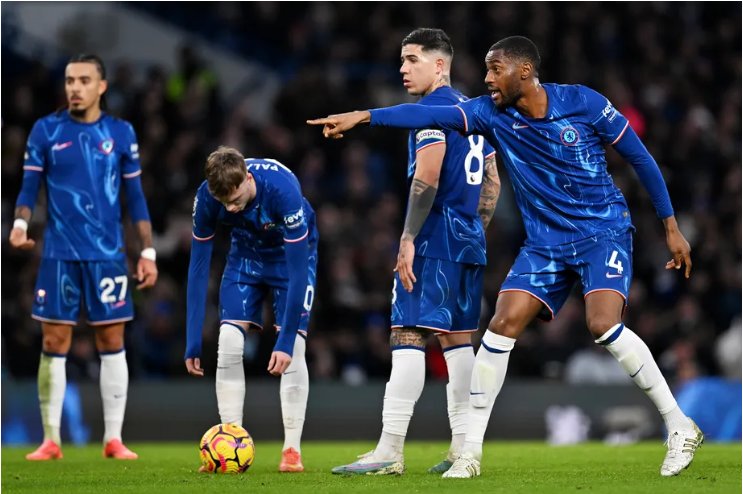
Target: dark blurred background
249,74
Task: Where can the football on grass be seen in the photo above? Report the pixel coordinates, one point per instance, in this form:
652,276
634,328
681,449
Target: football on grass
226,448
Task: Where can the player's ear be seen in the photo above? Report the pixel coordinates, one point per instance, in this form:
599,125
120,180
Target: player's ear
102,87
526,70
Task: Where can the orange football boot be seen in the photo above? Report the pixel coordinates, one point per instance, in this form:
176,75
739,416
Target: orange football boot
291,461
49,450
116,449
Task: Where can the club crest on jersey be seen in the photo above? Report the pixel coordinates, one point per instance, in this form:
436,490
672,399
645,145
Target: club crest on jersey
106,145
569,136
40,296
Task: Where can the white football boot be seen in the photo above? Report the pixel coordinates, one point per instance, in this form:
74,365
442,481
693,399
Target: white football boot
464,467
682,444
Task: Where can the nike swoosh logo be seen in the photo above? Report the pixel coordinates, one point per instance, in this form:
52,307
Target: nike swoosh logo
609,275
60,146
119,396
292,372
517,125
473,394
638,371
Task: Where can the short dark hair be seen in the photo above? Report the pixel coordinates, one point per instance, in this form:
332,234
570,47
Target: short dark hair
430,39
225,171
90,58
519,48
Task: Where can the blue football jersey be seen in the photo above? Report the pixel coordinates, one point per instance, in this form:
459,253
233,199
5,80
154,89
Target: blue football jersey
278,213
557,163
83,165
453,230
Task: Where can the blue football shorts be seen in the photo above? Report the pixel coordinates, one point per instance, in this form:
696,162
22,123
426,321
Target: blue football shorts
445,299
602,262
103,286
245,285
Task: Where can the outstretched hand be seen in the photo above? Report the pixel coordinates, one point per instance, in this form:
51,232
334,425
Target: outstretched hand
335,125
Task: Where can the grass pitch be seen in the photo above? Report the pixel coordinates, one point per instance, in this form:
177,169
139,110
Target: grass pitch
508,467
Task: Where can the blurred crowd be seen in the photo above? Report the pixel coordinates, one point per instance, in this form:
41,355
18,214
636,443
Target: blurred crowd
674,69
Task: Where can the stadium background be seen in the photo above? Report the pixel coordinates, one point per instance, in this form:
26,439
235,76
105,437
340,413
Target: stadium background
192,76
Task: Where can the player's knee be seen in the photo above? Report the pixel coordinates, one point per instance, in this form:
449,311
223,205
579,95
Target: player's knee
600,324
231,342
109,342
56,343
506,325
455,339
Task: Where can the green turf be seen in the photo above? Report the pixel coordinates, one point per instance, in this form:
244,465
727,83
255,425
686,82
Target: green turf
509,467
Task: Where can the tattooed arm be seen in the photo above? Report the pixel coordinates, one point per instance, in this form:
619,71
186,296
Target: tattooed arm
422,194
490,191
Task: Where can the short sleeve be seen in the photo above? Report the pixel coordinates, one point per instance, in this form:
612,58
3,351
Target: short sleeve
609,124
205,212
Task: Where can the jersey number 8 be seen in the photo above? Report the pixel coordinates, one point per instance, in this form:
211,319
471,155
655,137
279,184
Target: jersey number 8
474,177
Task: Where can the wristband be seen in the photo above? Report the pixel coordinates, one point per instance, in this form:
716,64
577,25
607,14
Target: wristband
21,223
149,254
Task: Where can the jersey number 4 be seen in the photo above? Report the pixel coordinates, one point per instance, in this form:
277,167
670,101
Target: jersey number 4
474,177
615,263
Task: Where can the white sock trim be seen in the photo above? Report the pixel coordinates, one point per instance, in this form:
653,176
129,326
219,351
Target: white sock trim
610,334
496,343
